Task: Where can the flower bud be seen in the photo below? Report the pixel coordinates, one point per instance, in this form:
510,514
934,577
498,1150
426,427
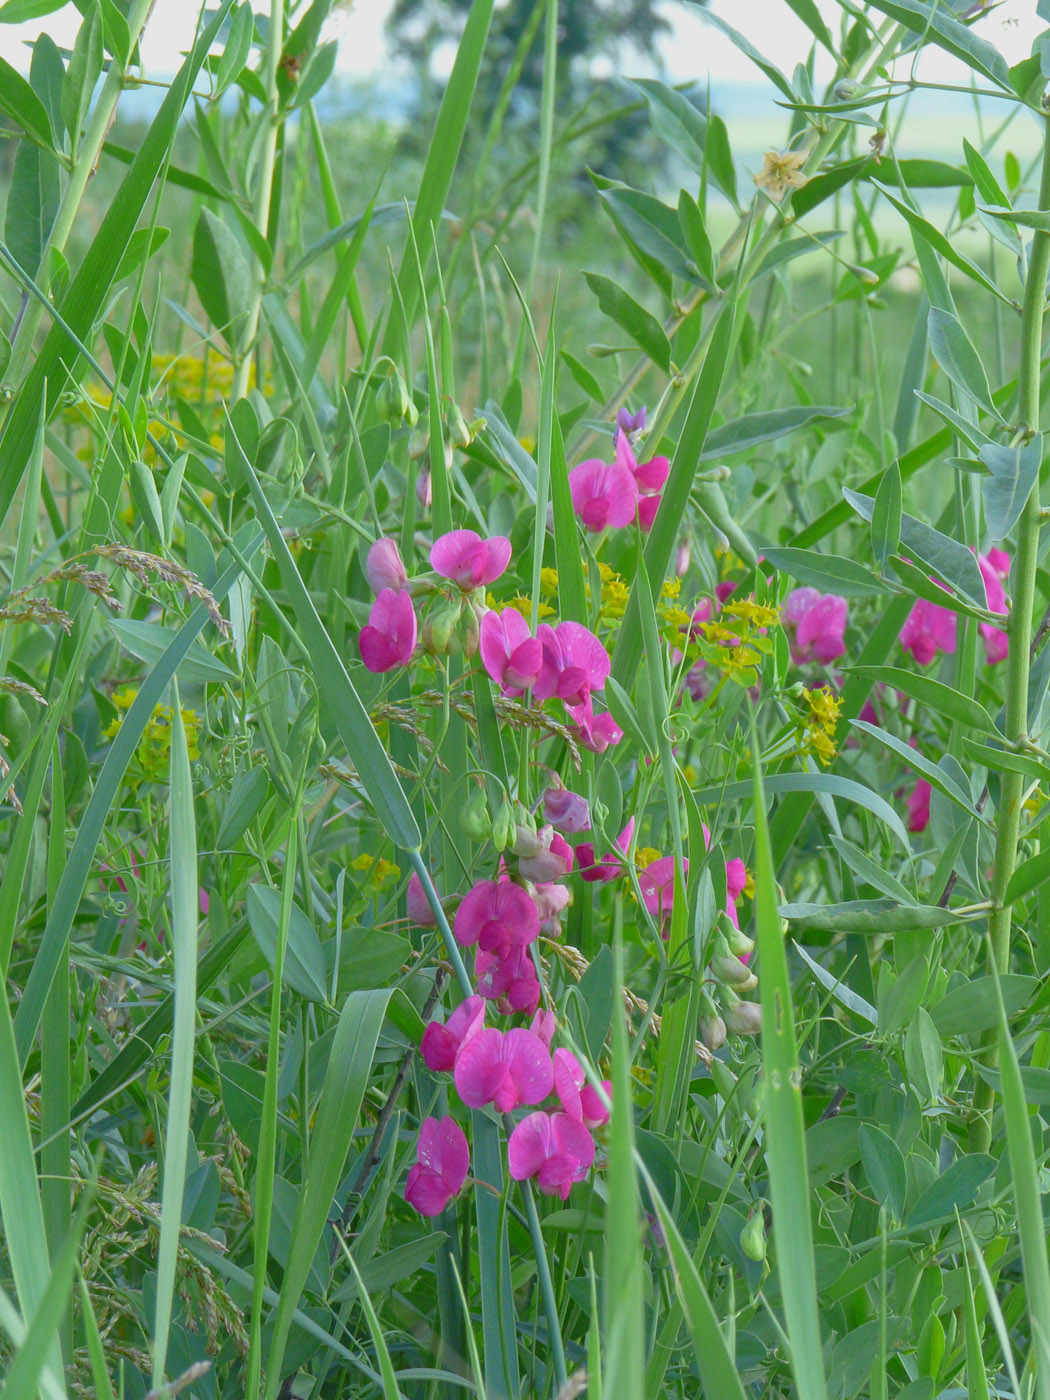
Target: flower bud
739,944
566,810
424,490
683,554
469,631
727,968
438,635
458,431
384,567
713,1032
474,818
742,1017
753,1236
525,840
418,444
503,825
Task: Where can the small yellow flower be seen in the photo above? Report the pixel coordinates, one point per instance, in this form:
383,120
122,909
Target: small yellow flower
781,171
645,857
548,582
820,718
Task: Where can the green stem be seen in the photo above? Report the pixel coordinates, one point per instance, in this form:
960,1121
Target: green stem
84,163
1019,631
263,191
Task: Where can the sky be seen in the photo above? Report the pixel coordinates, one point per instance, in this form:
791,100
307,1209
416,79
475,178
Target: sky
693,49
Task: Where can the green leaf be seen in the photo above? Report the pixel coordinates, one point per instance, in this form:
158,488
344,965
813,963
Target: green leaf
971,1009
304,964
19,11
811,17
954,352
886,516
830,572
969,432
884,1167
744,433
871,871
694,230
640,325
238,48
652,226
1014,471
380,217
838,989
955,1189
987,185
829,783
21,104
943,245
85,65
347,1077
1028,876
932,772
149,641
936,25
935,694
950,560
923,1057
32,203
221,275
785,1140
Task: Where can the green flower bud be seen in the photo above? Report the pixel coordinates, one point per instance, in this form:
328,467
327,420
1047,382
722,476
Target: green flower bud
474,818
753,1236
503,826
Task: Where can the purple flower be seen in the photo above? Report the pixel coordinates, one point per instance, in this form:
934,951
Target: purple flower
552,1147
465,558
443,1160
633,424
611,864
511,655
390,637
503,1068
566,810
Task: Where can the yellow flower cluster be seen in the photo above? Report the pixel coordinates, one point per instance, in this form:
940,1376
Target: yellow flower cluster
152,756
820,718
380,870
737,639
645,856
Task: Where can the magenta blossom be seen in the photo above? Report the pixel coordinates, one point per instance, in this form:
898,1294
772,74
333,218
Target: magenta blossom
647,508
551,862
819,620
574,663
994,566
919,806
390,637
656,882
552,1147
509,652
611,864
441,1043
604,496
594,732
551,898
736,879
505,1068
544,1024
384,567
566,810
510,981
419,910
497,915
649,477
465,558
927,630
443,1160
579,1099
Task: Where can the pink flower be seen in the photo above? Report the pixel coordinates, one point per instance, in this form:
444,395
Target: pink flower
425,489
649,477
594,732
465,558
647,508
509,652
820,621
919,806
443,1160
994,566
384,567
611,863
724,590
419,910
551,898
544,1024
736,879
497,915
510,981
566,810
603,495
574,663
579,1099
551,862
552,1147
390,637
928,629
656,882
503,1068
441,1043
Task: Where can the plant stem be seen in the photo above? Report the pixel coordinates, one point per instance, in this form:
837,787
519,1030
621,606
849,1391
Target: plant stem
85,161
1019,631
263,191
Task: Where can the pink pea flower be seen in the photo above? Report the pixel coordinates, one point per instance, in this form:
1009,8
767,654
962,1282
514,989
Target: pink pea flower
649,477
442,1043
384,567
551,898
510,981
497,915
579,1099
551,862
425,489
552,1147
927,630
919,806
544,1024
505,1068
574,663
611,864
419,910
390,637
820,621
724,590
736,879
994,566
566,810
511,655
465,558
604,496
656,882
594,732
647,508
443,1160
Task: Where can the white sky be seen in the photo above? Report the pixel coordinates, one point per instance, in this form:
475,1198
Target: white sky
693,50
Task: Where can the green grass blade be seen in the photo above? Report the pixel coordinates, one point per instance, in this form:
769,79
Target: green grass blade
335,686
500,1366
785,1137
99,1374
349,1067
375,1327
184,885
82,853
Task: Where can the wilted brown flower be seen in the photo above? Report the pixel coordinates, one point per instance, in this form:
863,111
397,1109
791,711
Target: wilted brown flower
781,171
